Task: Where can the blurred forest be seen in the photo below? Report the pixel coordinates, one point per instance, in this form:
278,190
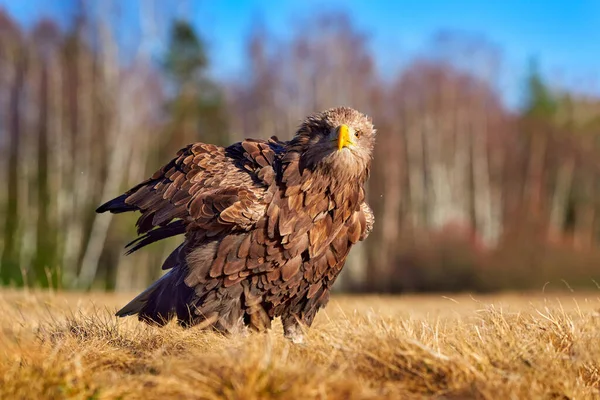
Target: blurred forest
468,195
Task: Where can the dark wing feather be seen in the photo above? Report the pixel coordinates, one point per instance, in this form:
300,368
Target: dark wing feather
205,187
171,229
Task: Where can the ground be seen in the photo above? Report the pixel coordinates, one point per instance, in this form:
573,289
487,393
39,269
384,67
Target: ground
546,346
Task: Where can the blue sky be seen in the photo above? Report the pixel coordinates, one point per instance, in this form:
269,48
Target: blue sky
564,35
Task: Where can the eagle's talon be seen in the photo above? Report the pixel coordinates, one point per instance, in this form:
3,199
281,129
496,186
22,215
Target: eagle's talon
296,338
293,329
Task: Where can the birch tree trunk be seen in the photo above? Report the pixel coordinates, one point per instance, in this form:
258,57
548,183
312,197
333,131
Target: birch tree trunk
535,174
119,141
79,191
10,254
416,174
486,219
27,174
460,182
585,212
4,157
45,240
439,191
55,174
560,198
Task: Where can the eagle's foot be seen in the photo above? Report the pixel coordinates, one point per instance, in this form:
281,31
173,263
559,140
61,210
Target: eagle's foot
240,330
296,338
292,330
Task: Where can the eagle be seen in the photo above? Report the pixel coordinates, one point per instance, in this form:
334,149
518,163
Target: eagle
267,226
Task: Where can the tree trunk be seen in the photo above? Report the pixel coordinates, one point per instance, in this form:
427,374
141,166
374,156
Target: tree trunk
120,139
10,255
82,178
535,175
27,177
439,194
560,198
585,212
486,218
416,175
44,258
460,169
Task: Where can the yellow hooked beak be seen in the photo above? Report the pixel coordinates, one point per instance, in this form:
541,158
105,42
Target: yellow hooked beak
343,139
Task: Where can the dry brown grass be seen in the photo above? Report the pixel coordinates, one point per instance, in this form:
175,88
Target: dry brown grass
487,347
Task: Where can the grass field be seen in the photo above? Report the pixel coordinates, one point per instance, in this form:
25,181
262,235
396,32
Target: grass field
446,347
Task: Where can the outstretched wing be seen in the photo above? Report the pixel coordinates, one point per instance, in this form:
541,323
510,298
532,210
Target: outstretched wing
205,187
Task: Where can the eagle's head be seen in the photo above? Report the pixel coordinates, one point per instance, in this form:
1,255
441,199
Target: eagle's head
339,140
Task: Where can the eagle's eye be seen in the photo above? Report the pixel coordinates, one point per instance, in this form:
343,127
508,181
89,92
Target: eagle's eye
358,134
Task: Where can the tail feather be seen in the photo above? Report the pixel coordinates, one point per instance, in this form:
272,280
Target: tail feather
139,302
158,304
166,297
199,305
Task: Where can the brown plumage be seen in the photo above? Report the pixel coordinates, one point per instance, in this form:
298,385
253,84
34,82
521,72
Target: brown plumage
268,225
